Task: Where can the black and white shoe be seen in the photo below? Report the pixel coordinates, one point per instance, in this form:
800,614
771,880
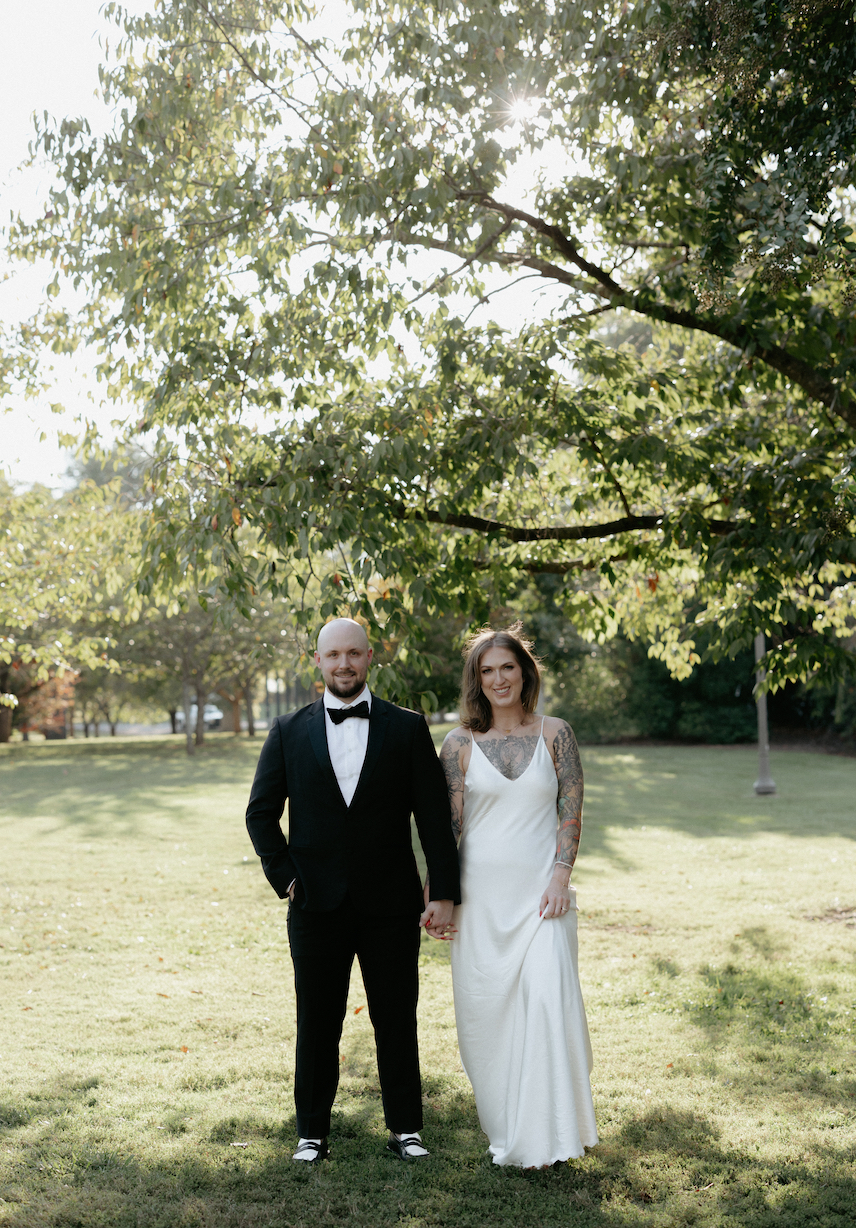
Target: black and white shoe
407,1147
311,1150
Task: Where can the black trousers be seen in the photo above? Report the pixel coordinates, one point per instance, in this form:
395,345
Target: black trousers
323,946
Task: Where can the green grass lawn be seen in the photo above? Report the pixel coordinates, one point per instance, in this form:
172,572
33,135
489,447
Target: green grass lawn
146,1050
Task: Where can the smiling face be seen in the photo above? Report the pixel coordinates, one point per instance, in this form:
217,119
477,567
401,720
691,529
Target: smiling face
343,656
502,681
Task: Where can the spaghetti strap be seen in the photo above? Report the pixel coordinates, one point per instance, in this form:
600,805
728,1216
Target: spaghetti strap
541,734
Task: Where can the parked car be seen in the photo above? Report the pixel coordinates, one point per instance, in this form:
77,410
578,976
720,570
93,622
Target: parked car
211,715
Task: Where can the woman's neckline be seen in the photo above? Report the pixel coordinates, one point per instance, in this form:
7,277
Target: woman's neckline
520,728
501,742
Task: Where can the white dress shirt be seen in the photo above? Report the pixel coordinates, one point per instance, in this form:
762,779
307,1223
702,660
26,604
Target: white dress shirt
347,743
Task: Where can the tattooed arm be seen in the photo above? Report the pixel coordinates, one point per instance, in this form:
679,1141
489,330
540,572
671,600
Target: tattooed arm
566,757
455,759
569,770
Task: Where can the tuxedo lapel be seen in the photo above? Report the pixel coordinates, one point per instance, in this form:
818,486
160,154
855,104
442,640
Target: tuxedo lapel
378,722
317,725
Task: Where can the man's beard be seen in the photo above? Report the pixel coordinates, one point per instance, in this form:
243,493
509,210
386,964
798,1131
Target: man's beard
346,690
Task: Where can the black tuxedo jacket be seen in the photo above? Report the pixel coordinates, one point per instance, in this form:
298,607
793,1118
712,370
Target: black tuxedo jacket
364,848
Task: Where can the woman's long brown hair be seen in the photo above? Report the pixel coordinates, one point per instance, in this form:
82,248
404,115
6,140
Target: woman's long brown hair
475,708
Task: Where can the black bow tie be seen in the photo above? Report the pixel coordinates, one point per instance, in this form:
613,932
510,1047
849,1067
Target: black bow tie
337,715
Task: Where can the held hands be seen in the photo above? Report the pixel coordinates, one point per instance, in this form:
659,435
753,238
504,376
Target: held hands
437,919
556,900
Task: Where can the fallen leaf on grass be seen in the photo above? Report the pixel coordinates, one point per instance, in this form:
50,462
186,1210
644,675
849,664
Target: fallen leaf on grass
701,1188
26,1008
240,1144
199,991
257,995
669,1065
163,995
184,1048
357,1010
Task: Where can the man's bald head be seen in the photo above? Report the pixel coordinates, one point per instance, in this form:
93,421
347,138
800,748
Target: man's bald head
341,629
343,655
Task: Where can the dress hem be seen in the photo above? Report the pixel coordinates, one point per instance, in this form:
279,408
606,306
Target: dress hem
546,1163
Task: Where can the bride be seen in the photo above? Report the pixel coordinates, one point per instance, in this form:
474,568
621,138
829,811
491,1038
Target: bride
516,788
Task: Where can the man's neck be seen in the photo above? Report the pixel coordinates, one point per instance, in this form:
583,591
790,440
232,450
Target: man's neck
352,699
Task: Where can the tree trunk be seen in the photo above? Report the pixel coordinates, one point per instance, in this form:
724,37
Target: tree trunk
173,713
251,720
235,701
188,732
113,728
200,716
5,713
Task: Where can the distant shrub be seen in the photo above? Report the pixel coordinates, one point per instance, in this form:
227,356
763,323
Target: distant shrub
617,691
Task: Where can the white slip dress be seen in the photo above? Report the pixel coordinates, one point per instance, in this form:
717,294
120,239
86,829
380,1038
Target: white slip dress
522,1029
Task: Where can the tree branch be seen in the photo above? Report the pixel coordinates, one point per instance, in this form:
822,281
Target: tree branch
544,533
256,76
615,482
818,386
560,241
488,243
552,568
398,234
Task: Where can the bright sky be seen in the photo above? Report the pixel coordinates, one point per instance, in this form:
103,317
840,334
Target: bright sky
52,52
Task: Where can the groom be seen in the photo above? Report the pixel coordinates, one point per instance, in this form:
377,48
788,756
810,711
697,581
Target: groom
354,768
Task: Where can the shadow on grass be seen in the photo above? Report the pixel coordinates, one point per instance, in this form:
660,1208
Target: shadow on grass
664,1167
52,1101
707,791
114,788
781,1027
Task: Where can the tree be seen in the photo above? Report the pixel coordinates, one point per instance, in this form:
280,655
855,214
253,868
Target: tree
280,240
198,650
132,691
253,646
42,703
60,565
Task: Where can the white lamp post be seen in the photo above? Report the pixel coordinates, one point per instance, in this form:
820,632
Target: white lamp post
765,782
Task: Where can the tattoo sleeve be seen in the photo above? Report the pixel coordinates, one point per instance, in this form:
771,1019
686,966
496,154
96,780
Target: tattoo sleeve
450,758
570,805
